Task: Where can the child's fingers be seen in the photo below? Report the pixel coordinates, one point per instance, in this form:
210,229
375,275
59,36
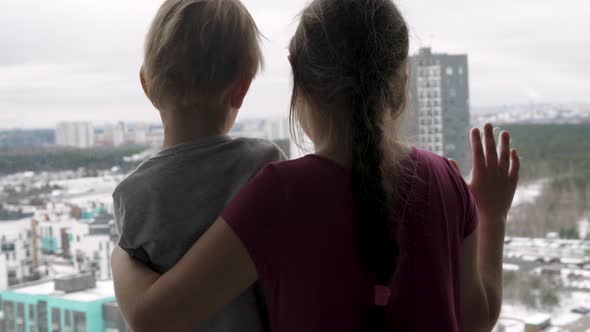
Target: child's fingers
491,148
479,161
515,167
504,162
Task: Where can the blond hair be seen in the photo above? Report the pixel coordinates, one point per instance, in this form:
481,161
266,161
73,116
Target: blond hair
196,49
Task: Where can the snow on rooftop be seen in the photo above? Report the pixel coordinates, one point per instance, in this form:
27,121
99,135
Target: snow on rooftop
565,318
14,226
103,290
88,189
102,198
573,260
511,325
560,316
553,329
537,319
510,267
58,270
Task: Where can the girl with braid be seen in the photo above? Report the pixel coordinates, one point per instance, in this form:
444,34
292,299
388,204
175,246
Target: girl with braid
367,234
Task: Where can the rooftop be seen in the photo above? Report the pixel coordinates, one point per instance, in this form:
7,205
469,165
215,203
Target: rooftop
580,325
538,319
14,226
103,290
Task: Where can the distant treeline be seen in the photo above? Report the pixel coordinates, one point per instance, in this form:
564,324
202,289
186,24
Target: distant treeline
27,138
39,159
560,153
553,151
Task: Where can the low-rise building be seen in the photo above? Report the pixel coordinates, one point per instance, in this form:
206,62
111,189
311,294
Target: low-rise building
93,254
74,304
20,250
55,236
113,320
3,273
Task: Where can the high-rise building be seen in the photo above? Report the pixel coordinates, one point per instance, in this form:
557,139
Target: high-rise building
75,134
274,129
155,136
270,129
439,104
140,133
119,133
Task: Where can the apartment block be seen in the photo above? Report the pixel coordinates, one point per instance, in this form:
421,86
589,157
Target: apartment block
74,304
439,104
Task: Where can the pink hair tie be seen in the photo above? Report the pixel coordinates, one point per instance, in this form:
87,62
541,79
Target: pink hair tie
382,295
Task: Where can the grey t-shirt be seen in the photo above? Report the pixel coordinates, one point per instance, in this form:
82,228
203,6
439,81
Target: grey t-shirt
171,199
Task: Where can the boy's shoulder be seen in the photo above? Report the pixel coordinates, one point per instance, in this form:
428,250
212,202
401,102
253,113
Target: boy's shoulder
161,167
137,179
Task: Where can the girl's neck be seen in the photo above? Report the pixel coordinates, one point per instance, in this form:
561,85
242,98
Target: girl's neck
335,154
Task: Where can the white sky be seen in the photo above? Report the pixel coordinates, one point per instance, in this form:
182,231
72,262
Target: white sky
79,59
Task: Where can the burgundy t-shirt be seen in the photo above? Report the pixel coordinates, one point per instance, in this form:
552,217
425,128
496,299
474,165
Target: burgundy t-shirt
297,222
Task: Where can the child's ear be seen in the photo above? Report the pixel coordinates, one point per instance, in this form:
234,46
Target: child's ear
143,82
238,93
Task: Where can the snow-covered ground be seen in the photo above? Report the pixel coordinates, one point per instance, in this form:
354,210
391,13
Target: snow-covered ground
83,190
515,315
533,113
584,227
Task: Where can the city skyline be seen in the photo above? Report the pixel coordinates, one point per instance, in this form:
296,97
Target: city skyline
84,66
74,123
85,135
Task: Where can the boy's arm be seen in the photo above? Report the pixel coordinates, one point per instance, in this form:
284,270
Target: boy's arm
119,216
126,237
213,272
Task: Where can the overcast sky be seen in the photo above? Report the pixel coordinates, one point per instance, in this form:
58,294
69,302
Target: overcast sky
79,59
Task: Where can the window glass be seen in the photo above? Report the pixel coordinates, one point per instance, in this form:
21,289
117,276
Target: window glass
32,318
55,320
79,321
20,318
67,321
9,316
74,123
42,318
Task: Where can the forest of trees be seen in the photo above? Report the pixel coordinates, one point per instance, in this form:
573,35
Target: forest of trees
560,154
27,138
13,160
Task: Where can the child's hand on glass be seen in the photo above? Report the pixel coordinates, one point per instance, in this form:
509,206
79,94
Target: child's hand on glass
495,175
